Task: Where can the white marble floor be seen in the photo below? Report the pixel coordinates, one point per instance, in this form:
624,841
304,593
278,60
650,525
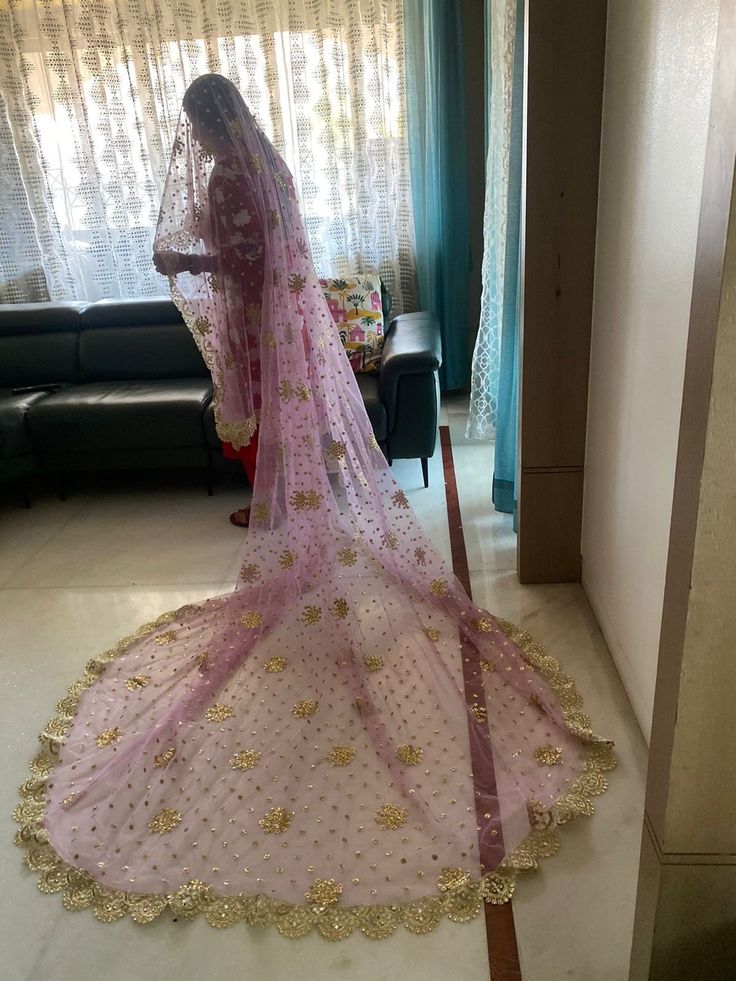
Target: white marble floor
76,576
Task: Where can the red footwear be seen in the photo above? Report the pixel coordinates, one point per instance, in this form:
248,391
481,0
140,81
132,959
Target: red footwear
241,518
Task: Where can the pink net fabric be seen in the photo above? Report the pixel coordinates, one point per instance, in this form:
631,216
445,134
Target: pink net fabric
346,729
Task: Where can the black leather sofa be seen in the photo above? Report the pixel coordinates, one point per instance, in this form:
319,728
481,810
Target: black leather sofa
120,384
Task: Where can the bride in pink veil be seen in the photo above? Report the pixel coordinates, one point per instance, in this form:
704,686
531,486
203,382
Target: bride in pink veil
345,742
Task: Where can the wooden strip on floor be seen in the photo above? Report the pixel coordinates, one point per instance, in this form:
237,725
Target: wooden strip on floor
503,952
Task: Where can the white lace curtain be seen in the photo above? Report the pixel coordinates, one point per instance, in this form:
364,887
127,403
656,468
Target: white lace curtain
90,92
501,29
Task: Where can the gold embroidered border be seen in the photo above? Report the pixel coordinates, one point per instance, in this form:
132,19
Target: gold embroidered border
460,904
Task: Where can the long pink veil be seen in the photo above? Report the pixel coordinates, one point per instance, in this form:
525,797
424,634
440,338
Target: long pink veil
345,741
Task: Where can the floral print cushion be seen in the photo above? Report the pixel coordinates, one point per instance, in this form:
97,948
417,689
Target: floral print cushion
355,305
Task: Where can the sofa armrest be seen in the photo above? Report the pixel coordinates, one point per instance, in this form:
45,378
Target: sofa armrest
412,347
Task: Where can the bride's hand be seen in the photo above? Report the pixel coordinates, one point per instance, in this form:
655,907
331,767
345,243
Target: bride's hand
170,263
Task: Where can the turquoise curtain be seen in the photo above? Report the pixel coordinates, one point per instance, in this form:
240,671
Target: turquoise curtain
439,173
507,413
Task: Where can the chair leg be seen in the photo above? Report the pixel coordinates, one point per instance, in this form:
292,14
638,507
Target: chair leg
425,470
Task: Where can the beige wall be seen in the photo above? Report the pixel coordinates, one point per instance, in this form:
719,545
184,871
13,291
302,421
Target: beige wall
659,69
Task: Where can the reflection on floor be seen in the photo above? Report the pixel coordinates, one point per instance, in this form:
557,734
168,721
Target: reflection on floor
76,576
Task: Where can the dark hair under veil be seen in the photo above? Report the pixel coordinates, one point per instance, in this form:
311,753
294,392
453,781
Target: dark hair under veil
345,741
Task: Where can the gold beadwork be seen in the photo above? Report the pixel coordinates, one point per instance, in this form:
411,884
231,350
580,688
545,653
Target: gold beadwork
347,556
166,638
137,681
269,340
276,821
296,283
218,712
286,559
480,712
341,756
252,619
373,662
391,817
391,540
548,755
420,555
275,664
485,665
308,500
261,511
191,899
202,659
311,615
400,499
411,755
163,758
108,736
246,759
303,392
166,820
438,587
336,450
304,708
483,625
323,892
340,609
250,573
452,879
433,633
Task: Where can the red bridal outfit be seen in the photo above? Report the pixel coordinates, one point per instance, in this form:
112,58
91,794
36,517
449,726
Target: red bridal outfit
346,741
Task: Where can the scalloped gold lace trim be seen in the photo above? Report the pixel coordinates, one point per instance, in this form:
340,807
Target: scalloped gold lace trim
460,903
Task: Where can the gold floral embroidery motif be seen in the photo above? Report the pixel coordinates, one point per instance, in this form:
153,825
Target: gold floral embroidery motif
215,287
229,360
391,540
261,511
302,248
275,664
253,312
201,659
252,619
347,556
373,662
286,559
548,755
109,736
163,758
411,755
303,392
166,638
166,820
269,340
433,633
400,499
275,219
308,440
484,625
296,283
250,573
438,587
218,712
311,615
202,326
246,759
485,665
323,892
539,817
480,712
452,879
373,442
336,450
191,899
340,609
308,500
304,708
341,756
137,682
391,817
285,390
255,159
276,276
420,555
276,821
